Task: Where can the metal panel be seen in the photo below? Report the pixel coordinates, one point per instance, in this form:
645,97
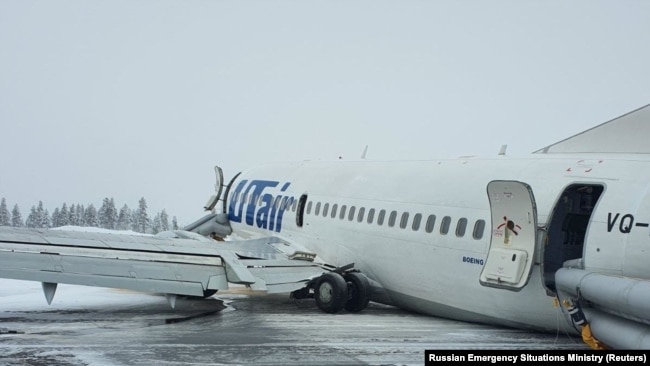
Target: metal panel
514,235
506,265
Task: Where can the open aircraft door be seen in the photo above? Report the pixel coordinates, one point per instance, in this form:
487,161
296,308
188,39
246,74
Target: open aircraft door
512,243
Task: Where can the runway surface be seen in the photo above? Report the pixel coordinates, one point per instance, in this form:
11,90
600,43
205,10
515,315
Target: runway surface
98,326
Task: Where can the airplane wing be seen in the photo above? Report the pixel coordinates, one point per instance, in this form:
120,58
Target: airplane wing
177,262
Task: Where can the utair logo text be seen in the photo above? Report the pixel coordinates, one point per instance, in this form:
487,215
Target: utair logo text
250,204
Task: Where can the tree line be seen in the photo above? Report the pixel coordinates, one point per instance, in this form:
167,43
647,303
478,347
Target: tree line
106,217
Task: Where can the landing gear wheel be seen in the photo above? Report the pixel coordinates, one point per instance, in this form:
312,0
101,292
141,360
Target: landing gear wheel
358,289
331,292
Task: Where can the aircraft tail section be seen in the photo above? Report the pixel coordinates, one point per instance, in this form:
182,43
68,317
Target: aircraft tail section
626,134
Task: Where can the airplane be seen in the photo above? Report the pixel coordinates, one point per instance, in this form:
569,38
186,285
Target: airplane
558,240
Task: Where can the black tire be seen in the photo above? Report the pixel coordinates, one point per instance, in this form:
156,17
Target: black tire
359,292
331,292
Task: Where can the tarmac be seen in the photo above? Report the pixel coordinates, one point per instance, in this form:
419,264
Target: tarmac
100,326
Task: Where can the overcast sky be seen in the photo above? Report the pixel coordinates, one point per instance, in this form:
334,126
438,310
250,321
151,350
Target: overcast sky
127,99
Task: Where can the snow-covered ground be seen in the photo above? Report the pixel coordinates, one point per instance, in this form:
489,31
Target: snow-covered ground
88,229
99,326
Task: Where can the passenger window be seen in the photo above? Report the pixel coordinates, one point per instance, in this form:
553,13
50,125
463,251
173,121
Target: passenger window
380,218
342,215
309,208
362,212
404,221
326,208
479,227
444,226
431,222
392,218
334,207
416,222
461,227
371,215
317,210
351,214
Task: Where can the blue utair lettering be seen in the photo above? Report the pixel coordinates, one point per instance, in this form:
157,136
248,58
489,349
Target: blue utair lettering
271,208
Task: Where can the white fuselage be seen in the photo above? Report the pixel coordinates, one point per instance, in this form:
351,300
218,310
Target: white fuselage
433,267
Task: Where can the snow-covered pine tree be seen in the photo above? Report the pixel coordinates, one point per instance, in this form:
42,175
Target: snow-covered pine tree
164,221
42,218
174,223
56,218
46,222
90,216
31,218
72,216
16,217
143,222
107,214
64,218
156,226
125,219
5,218
101,212
111,214
134,220
81,215
40,212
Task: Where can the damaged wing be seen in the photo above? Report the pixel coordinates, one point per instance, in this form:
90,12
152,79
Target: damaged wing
175,262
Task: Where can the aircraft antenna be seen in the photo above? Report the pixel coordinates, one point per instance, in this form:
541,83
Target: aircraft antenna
502,151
